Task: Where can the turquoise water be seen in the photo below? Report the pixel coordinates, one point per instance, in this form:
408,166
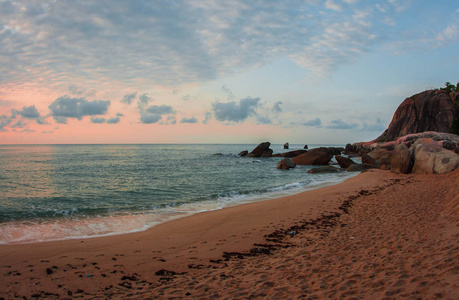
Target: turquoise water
53,192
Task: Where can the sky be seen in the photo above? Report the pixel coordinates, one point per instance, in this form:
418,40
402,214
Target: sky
303,72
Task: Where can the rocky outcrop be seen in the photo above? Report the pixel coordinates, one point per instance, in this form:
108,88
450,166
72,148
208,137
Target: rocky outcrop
286,163
401,159
262,150
344,162
379,156
318,156
286,146
431,158
432,110
290,153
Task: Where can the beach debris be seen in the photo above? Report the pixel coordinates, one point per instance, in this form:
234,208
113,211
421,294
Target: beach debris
89,275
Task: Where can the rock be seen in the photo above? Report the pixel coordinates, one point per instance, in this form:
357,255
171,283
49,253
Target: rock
367,159
401,159
217,154
381,155
324,169
286,163
385,167
290,153
305,147
243,153
286,146
360,167
344,162
432,110
267,153
258,151
431,158
318,156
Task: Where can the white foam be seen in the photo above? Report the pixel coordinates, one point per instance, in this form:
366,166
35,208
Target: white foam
117,223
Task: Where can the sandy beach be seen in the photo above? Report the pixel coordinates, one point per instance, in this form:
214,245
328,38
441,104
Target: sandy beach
377,235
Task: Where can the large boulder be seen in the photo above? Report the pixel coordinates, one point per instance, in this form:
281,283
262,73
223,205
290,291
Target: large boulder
344,162
318,156
286,163
258,151
431,158
290,153
380,155
367,159
401,159
267,153
432,110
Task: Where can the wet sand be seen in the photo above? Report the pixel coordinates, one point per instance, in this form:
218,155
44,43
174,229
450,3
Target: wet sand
377,235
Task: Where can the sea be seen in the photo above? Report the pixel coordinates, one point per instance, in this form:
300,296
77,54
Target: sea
59,192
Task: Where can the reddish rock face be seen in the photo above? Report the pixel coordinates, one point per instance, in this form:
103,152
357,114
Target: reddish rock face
286,163
432,110
344,162
401,159
258,151
314,157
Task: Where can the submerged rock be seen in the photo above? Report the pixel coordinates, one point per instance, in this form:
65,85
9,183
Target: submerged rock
258,151
324,169
286,163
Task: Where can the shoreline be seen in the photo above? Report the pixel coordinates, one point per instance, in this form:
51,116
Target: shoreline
140,264
143,221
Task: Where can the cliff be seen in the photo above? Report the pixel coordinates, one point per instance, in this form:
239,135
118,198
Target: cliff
432,110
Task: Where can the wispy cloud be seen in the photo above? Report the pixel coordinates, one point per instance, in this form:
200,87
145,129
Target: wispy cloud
235,112
173,42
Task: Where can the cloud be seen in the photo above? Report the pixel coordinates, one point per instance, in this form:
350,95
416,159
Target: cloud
29,112
207,117
330,4
65,107
263,120
4,122
339,124
97,120
191,120
168,43
76,90
114,120
378,126
277,107
153,114
144,99
149,118
314,122
18,124
160,109
127,99
233,112
119,115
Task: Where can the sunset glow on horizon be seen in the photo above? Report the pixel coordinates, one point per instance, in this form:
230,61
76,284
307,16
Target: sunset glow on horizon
304,72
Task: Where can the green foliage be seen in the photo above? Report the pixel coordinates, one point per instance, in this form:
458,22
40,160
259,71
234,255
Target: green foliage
450,87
